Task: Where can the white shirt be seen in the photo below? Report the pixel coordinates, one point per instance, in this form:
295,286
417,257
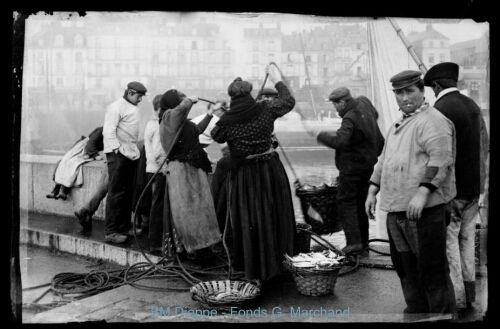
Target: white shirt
152,143
205,137
444,92
121,129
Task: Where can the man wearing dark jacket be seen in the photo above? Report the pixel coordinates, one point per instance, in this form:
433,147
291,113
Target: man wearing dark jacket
472,147
357,143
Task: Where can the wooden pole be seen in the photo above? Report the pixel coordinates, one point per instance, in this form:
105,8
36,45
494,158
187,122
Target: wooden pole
16,297
408,45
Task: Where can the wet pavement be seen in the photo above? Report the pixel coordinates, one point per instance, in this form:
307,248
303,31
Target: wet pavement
369,293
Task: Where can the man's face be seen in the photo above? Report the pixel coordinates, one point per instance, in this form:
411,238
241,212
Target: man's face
339,106
409,98
436,88
134,98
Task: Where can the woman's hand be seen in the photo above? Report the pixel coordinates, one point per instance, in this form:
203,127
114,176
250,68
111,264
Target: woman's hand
273,77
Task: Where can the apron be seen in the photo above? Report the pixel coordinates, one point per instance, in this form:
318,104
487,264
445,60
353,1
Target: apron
192,206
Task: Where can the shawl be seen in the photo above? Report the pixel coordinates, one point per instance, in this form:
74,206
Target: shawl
243,109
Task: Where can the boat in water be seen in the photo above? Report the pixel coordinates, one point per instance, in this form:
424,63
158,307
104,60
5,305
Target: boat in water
292,131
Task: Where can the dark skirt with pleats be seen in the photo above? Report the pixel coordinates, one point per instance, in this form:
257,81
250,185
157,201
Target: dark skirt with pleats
262,217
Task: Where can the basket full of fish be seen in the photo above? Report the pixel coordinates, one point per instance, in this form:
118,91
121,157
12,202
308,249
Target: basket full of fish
315,273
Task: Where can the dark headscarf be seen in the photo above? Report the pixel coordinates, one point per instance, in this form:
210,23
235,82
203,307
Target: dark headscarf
239,88
169,100
243,107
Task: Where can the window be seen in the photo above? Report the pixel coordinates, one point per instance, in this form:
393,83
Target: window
474,89
325,58
118,69
194,70
442,57
136,54
98,69
194,31
225,71
225,57
289,56
59,82
136,67
78,63
194,45
255,46
181,44
308,58
211,57
194,56
442,44
211,44
59,41
289,70
182,57
431,59
324,46
255,71
271,45
271,57
59,64
78,40
358,70
325,71
255,58
431,44
211,71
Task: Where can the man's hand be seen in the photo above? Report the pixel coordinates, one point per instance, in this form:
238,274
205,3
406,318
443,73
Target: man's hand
417,203
194,99
371,201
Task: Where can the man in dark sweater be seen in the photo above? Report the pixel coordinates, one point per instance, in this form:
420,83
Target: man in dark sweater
472,147
357,143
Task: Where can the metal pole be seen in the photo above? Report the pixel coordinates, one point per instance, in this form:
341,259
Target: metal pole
408,45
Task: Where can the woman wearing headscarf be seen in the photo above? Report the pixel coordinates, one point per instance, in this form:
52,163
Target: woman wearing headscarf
190,222
260,199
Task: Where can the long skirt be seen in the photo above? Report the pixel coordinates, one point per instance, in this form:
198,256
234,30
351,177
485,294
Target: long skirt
189,208
262,217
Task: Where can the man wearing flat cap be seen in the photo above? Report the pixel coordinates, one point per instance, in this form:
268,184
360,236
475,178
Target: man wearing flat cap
415,175
120,134
470,171
357,143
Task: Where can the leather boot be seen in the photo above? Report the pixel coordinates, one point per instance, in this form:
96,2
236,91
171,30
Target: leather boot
349,221
54,192
63,193
84,218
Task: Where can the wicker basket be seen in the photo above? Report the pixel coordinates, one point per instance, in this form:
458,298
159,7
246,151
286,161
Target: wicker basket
303,239
224,294
314,282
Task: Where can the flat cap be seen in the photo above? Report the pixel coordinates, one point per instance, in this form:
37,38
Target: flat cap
447,70
339,94
137,87
405,78
269,92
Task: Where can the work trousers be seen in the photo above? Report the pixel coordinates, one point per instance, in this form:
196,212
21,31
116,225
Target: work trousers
119,202
418,253
156,215
460,247
351,197
102,190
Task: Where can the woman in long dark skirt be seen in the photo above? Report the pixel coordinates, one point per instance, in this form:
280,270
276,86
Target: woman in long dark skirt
260,198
